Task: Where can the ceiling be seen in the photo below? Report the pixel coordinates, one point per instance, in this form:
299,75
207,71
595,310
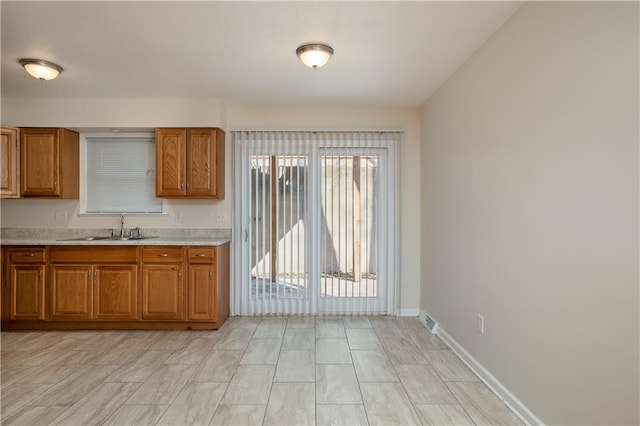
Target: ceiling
243,53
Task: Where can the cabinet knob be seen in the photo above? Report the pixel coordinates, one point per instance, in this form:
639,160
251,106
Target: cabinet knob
55,184
182,185
29,254
200,255
210,275
163,255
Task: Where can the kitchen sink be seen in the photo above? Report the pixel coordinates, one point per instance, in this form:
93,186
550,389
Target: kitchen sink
85,239
106,238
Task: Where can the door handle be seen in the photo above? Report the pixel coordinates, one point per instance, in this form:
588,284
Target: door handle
246,234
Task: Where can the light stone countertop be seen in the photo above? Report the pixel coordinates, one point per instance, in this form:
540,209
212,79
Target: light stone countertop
164,237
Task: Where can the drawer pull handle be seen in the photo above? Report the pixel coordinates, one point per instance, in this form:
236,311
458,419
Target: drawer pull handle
29,254
200,255
163,255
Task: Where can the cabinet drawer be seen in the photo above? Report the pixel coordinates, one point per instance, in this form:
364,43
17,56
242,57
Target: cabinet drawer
201,254
162,255
27,255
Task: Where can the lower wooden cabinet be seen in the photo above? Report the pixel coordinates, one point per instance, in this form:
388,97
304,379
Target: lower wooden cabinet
115,292
71,292
105,287
27,292
162,292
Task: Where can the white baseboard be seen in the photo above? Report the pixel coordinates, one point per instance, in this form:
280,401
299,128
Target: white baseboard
408,312
485,375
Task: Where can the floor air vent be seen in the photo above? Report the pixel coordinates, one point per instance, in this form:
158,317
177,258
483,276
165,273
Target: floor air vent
431,325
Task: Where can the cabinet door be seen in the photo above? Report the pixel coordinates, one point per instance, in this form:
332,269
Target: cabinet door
162,292
9,187
201,158
27,292
39,162
71,292
202,301
115,292
170,162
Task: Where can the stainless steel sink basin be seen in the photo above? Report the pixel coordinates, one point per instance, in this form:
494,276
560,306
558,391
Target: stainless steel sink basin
92,238
129,238
85,239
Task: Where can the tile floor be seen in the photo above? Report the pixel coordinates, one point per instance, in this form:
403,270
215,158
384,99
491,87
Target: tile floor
269,371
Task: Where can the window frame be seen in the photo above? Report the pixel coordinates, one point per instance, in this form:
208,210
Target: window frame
83,172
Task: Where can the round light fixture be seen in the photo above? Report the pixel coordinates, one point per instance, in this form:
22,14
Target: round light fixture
314,55
40,69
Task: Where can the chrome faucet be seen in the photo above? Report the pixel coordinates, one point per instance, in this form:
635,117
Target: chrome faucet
122,225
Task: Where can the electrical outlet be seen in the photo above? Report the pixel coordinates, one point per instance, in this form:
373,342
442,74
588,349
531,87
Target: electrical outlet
219,216
61,216
178,216
480,323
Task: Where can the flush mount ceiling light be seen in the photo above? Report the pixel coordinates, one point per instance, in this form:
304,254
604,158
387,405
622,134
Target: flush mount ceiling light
314,55
42,70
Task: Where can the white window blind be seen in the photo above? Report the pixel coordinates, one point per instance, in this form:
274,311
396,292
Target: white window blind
121,175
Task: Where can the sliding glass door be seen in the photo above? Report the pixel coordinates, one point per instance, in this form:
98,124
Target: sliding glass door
315,222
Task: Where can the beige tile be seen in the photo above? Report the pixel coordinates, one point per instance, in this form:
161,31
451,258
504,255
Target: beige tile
117,356
301,321
401,350
262,351
387,404
195,404
337,384
236,339
219,366
482,405
291,404
78,357
329,328
362,338
250,385
356,322
136,415
16,396
100,340
423,385
34,416
49,375
295,366
13,374
187,355
169,341
332,351
98,405
449,367
163,385
373,366
140,368
425,340
75,386
445,415
341,415
299,339
270,328
239,415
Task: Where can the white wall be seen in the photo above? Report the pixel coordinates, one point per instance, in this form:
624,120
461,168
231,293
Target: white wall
344,118
530,205
105,114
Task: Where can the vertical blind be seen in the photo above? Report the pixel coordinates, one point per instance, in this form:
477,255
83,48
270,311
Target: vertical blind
120,175
315,218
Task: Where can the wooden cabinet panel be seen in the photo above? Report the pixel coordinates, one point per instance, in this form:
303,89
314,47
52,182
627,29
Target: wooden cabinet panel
49,163
27,292
162,292
115,292
27,255
170,162
95,254
190,163
9,161
202,301
71,292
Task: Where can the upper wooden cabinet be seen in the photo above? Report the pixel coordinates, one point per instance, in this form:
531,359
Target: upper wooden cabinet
49,159
9,162
190,163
